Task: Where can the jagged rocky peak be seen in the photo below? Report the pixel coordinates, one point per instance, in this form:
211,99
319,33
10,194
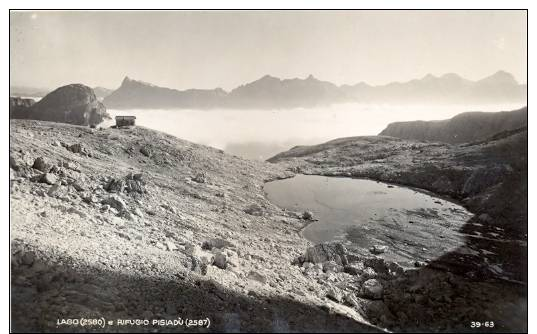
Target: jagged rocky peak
131,82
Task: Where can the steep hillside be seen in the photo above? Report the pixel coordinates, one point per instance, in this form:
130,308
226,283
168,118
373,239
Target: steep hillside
463,128
133,223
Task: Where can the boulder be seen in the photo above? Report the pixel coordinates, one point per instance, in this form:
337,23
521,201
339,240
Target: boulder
48,178
75,148
372,289
378,249
41,165
326,252
146,150
307,215
116,202
216,243
74,104
254,210
19,107
220,260
368,272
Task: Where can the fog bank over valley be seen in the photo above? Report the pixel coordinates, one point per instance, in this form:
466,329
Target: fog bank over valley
260,134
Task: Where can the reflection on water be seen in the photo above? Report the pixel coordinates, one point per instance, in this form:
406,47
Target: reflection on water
260,134
366,213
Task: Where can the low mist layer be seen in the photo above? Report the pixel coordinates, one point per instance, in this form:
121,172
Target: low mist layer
260,134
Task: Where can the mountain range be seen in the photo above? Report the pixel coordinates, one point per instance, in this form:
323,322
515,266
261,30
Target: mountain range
271,92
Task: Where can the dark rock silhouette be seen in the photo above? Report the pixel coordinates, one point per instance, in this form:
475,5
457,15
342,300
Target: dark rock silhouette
465,127
18,106
74,104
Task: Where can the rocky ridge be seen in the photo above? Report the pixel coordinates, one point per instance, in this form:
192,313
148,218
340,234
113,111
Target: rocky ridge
463,128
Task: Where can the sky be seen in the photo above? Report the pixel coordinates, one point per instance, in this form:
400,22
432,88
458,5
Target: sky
209,49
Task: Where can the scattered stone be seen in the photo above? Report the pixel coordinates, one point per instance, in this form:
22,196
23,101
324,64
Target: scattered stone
128,215
369,272
145,150
216,243
199,178
138,213
13,163
41,165
115,185
116,202
75,148
77,212
90,198
332,266
170,246
54,189
354,268
307,215
78,187
419,264
254,275
48,178
198,266
372,289
378,249
334,294
220,260
254,210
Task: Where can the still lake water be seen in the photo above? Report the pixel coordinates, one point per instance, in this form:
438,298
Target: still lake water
261,134
363,213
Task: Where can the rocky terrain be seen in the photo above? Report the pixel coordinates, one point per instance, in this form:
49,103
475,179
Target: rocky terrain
133,223
74,104
137,224
488,177
463,128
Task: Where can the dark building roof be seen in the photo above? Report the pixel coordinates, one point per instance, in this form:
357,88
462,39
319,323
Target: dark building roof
125,117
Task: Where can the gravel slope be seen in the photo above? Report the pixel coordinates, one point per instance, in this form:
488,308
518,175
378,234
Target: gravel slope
114,228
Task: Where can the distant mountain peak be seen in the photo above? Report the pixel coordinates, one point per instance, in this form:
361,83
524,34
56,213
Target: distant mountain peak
500,77
451,76
128,81
429,76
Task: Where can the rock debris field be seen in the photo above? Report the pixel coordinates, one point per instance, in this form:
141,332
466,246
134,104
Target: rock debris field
135,224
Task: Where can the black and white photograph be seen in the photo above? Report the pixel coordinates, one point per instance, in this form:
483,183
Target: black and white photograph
267,170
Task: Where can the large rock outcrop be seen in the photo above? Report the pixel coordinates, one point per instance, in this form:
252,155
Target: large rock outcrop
19,106
465,127
74,104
